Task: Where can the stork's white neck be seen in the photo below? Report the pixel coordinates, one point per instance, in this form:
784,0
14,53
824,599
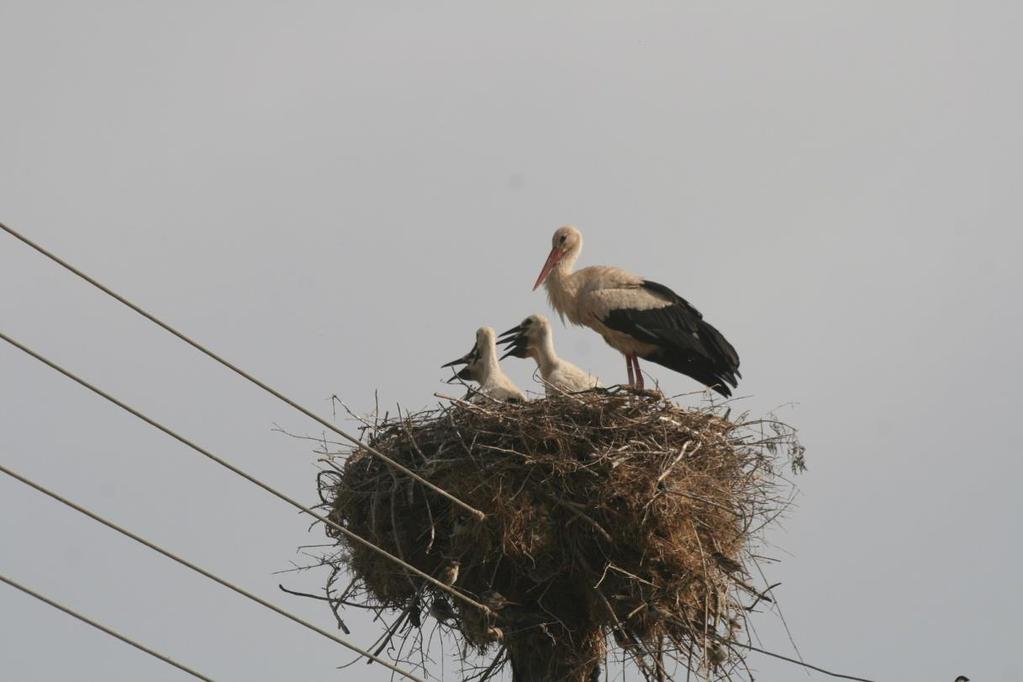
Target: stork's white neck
563,270
543,352
561,285
489,366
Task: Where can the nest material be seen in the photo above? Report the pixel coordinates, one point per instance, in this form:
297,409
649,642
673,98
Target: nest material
613,518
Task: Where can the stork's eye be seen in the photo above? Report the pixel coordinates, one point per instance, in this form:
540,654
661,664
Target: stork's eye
563,238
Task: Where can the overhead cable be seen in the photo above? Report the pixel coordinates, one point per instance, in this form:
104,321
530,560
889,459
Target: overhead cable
184,562
247,476
242,373
103,628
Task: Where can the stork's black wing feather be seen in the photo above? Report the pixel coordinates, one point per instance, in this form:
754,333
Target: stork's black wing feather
684,341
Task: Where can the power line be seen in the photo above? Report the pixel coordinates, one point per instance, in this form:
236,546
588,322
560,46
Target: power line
156,548
249,477
798,662
103,628
240,372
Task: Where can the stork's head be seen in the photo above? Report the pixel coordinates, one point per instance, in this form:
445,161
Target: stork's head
486,342
521,340
567,240
471,360
485,336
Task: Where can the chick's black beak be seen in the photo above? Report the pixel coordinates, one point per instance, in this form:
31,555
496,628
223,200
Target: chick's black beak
515,346
461,375
510,333
464,360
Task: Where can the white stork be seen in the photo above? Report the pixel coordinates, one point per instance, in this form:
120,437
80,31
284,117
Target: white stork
533,338
481,366
640,318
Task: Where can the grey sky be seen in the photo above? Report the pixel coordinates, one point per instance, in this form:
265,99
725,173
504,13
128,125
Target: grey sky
336,195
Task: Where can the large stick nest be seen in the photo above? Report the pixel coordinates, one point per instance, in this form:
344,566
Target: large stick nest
613,519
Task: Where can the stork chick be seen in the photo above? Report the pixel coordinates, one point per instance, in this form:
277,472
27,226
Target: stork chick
481,366
639,318
533,338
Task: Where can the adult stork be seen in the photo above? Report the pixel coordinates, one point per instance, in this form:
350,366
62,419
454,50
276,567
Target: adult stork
533,338
639,318
481,366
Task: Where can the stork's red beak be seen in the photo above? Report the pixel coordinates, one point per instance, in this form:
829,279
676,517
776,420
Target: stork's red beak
552,260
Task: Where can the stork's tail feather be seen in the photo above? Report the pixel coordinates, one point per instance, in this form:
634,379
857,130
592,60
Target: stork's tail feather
725,353
715,375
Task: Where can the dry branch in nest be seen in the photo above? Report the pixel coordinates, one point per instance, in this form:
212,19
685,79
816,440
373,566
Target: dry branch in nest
614,519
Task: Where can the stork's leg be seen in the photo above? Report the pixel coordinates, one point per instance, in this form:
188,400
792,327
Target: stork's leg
639,373
628,364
